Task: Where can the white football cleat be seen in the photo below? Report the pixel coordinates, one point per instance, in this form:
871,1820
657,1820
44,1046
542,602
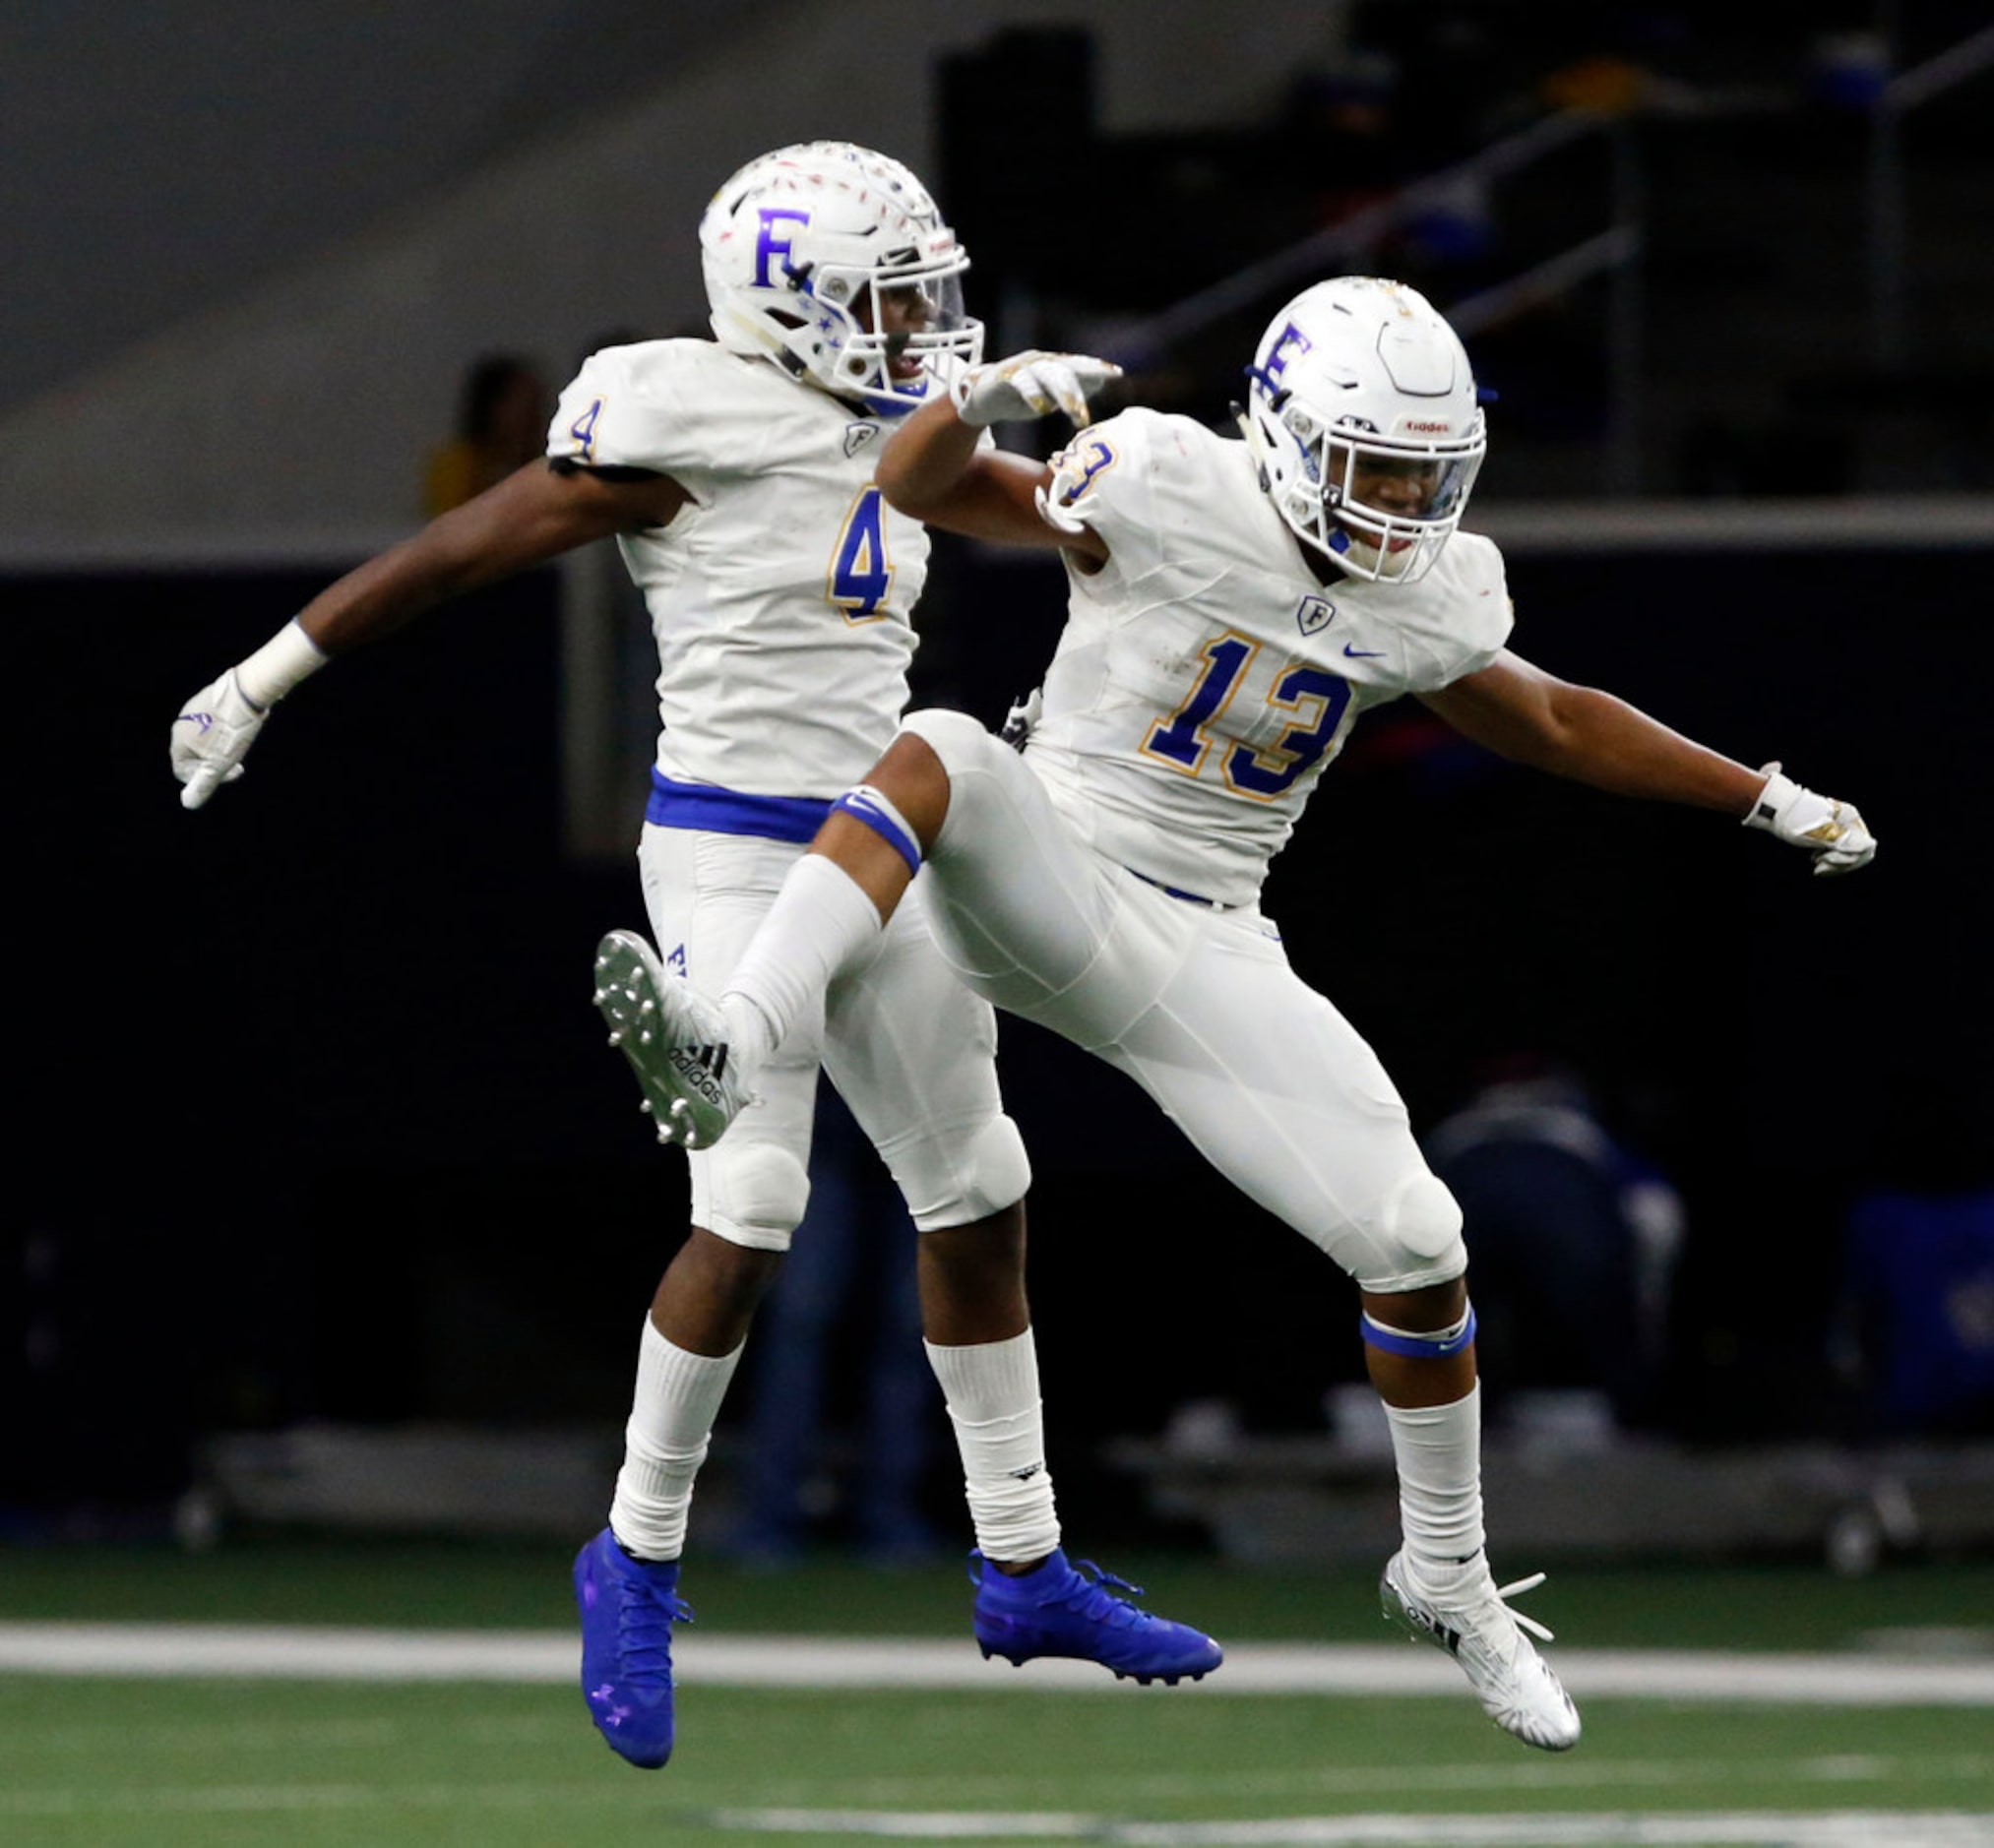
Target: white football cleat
675,1039
1474,1626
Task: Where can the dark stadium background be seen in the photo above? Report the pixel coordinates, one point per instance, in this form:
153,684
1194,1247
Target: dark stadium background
317,1119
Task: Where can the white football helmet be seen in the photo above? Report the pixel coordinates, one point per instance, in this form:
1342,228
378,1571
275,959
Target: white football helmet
833,259
1362,413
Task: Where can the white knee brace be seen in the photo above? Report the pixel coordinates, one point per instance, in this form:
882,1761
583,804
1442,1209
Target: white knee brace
954,737
750,1193
1421,1226
952,1179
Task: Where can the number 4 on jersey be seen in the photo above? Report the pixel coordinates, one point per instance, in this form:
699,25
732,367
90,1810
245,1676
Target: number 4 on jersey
861,572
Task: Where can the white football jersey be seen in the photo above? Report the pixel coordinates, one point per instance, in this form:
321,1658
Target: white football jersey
782,596
1205,677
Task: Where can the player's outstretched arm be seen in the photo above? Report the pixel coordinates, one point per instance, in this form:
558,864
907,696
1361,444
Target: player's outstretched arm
935,467
536,513
1532,718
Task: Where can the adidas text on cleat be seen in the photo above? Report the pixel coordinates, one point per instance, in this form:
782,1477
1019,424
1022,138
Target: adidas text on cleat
1478,1628
674,1038
628,1607
1056,1610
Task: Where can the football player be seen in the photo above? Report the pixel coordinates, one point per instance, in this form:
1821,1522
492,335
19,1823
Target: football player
1234,606
736,477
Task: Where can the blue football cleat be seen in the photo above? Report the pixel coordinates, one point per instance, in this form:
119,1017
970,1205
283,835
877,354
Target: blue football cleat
628,1608
1056,1610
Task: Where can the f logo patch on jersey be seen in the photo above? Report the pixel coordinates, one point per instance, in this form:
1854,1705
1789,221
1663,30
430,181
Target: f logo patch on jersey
857,436
1314,613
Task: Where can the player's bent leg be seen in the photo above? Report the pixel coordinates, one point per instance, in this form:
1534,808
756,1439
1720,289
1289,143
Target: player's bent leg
1321,1137
675,1039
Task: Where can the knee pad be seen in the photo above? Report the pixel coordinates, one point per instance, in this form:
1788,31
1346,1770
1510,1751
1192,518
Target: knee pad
954,737
1420,1228
952,1178
750,1193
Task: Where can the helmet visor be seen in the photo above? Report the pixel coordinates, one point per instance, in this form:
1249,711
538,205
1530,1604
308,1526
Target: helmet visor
1394,505
909,327
1387,485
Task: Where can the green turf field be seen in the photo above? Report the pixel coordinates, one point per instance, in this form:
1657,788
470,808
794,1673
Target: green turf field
168,1762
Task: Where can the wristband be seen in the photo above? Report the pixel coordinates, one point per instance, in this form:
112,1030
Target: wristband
1772,800
289,656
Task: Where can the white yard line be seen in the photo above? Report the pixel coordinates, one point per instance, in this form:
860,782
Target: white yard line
1841,1828
1620,1828
328,1653
1743,1829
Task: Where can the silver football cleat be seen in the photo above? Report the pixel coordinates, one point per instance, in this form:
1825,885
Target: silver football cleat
674,1038
1476,1626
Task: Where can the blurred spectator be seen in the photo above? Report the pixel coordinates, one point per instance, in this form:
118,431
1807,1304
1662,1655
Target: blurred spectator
502,413
1921,1264
1345,121
1599,85
1572,1241
1848,71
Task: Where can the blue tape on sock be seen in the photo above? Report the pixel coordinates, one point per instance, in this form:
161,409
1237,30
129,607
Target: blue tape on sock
862,805
1417,1346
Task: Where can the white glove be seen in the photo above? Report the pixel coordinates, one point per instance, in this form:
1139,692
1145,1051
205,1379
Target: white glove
1024,713
1030,385
1833,832
212,736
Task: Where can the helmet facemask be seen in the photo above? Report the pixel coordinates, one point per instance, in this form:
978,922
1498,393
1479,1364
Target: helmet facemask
891,331
1380,510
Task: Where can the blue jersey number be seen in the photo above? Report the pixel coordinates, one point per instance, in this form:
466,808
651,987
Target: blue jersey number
1269,774
582,430
861,572
1180,739
1184,741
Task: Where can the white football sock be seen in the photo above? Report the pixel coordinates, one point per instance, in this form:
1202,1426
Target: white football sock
1437,1450
671,1416
992,1395
819,921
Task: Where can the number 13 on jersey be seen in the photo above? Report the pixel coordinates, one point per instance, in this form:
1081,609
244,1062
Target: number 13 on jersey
1318,698
860,578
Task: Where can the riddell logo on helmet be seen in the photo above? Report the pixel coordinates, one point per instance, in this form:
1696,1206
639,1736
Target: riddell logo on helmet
1428,429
